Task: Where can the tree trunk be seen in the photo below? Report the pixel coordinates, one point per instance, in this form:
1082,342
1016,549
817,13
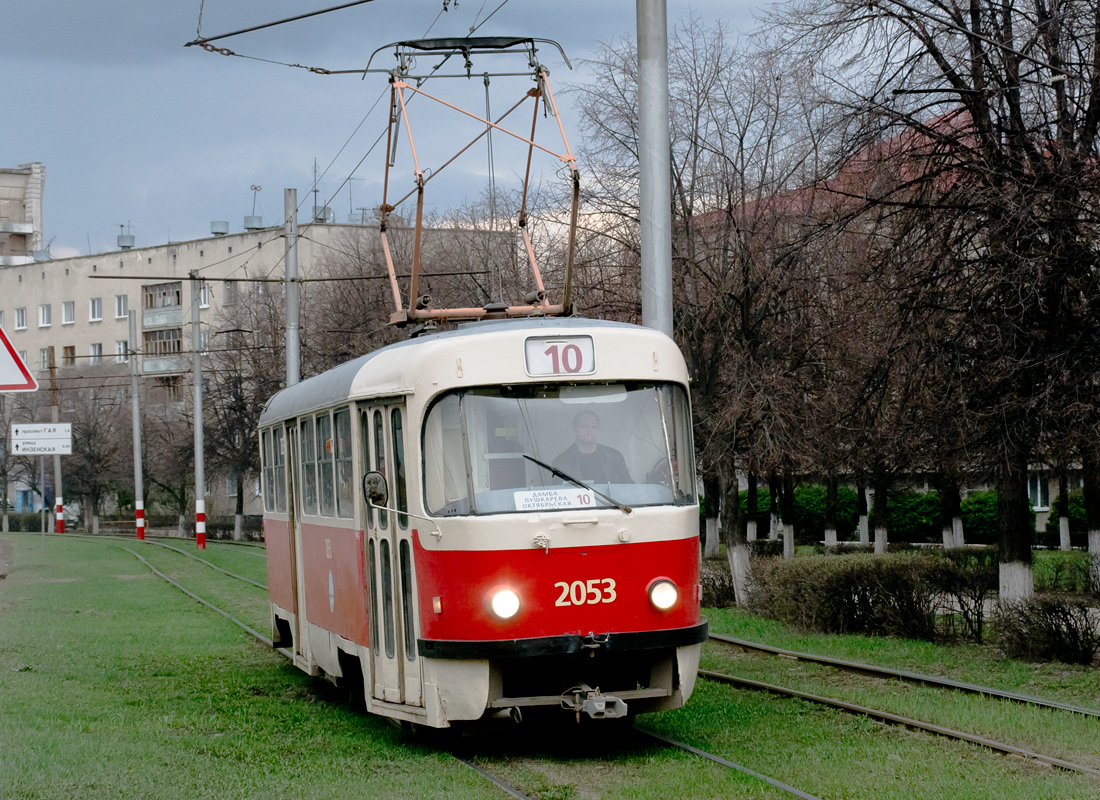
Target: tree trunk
752,503
775,491
830,510
1063,510
1016,579
787,513
864,524
238,517
1091,467
882,486
737,548
951,511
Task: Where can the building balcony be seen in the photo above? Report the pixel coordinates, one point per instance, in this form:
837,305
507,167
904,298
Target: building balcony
162,317
166,365
7,226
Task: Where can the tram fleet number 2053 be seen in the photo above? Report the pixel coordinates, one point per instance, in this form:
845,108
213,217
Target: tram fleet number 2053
496,520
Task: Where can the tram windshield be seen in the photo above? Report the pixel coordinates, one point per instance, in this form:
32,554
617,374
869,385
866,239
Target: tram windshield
552,447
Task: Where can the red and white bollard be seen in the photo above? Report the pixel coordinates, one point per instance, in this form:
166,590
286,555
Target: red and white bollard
139,513
200,524
59,515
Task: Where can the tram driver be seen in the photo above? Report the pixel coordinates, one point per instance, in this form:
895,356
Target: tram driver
589,461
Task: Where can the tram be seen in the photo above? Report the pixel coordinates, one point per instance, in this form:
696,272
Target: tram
488,521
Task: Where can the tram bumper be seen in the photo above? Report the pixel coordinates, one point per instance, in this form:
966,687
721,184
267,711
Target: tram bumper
585,699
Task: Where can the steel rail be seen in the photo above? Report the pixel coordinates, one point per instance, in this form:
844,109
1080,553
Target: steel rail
912,677
908,722
731,764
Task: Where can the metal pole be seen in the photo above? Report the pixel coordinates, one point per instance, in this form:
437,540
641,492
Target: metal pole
654,165
196,377
42,488
139,481
290,207
55,416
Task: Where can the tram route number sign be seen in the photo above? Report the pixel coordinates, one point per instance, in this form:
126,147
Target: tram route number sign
42,439
559,355
551,499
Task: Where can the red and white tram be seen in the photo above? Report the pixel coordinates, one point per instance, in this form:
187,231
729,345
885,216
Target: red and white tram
490,519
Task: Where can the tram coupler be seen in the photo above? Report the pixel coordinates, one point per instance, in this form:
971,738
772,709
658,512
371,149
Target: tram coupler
585,699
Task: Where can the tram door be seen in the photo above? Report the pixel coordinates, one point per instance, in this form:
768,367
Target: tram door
302,653
392,583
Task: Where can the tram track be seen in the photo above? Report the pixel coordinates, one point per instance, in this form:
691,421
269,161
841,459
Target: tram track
506,786
903,675
882,716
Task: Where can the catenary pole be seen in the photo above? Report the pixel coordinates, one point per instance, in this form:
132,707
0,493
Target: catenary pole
55,417
135,404
196,377
290,206
654,165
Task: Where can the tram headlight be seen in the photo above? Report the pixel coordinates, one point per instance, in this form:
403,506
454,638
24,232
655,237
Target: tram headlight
663,594
504,603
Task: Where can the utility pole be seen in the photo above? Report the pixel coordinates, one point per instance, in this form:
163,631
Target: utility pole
290,208
135,403
654,165
196,377
55,416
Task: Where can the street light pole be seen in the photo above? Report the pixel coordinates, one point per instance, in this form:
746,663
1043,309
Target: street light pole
135,403
654,165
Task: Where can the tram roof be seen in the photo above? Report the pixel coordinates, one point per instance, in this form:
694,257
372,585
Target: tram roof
394,376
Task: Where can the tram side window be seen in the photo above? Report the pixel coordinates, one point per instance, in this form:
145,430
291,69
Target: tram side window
345,479
309,466
268,473
278,453
399,467
445,482
324,464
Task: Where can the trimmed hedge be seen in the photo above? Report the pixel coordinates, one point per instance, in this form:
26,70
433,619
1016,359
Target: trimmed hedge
981,519
913,595
1078,526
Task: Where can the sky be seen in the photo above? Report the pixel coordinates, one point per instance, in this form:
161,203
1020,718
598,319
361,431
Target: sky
137,131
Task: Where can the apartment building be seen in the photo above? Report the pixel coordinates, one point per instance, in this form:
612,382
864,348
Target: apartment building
21,214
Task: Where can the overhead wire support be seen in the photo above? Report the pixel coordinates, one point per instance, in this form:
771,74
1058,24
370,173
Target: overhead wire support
206,39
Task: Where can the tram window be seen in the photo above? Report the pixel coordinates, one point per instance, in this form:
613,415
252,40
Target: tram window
380,459
628,440
372,562
387,597
279,462
345,479
399,467
309,466
407,599
268,472
324,464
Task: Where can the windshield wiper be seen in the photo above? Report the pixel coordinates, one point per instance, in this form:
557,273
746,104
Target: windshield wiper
554,470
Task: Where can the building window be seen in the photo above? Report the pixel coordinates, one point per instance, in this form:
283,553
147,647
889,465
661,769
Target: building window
1038,489
68,356
45,315
95,309
165,342
162,295
204,295
122,305
68,312
20,319
44,358
230,293
122,351
96,352
204,342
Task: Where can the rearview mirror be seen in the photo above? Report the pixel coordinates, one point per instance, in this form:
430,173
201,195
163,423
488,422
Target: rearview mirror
375,489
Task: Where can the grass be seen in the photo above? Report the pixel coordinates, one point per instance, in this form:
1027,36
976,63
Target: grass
114,684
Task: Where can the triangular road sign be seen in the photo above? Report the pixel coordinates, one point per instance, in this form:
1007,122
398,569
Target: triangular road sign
14,375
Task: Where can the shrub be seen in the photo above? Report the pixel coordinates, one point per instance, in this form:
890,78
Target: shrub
809,512
763,509
717,582
766,548
1048,629
1062,572
912,516
1051,536
915,595
981,520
